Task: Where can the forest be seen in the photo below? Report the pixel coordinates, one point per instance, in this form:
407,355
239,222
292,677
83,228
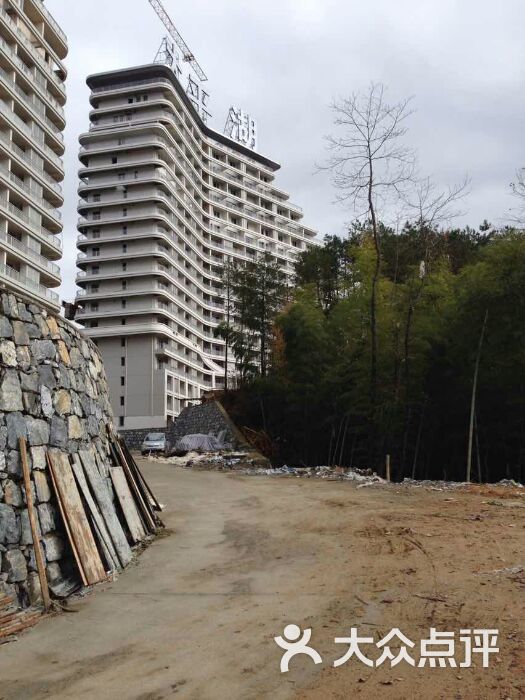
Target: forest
405,340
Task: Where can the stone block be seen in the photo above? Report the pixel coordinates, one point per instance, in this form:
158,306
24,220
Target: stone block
8,353
62,402
23,357
37,431
43,350
14,464
10,391
47,517
46,376
63,352
46,401
12,494
6,329
42,487
38,458
75,428
29,382
14,565
59,432
9,525
16,428
20,332
53,327
54,547
26,536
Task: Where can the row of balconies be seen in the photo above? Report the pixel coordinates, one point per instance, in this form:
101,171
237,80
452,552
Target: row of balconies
26,283
33,104
25,251
25,41
33,226
34,161
34,78
216,166
33,191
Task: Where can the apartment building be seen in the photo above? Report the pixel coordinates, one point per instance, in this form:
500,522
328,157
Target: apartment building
32,98
164,200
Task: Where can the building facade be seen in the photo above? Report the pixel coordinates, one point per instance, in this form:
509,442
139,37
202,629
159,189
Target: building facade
164,200
32,98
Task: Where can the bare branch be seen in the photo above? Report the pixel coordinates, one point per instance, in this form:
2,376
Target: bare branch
428,205
518,191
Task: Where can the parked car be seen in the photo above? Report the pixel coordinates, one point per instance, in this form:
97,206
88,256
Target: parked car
154,442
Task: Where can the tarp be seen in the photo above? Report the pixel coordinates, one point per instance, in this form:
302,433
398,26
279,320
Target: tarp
200,443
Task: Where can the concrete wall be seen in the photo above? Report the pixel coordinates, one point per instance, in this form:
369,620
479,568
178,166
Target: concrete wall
53,392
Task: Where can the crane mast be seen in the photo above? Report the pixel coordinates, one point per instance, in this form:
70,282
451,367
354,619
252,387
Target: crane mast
187,55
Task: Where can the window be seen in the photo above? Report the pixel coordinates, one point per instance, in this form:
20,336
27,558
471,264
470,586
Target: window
95,252
121,142
96,197
94,324
123,303
136,174
124,267
124,211
124,247
95,233
94,288
145,98
122,401
94,306
123,342
122,176
125,193
121,421
125,229
95,269
114,160
96,215
123,381
123,322
122,361
124,284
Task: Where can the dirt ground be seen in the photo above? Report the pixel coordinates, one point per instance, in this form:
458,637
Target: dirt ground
196,616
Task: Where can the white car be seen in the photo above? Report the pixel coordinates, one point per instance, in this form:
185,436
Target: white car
153,442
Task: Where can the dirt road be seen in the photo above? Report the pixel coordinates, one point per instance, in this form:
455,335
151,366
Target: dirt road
196,616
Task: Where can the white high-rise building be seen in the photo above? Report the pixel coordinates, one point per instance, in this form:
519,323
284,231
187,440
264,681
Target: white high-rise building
164,201
32,98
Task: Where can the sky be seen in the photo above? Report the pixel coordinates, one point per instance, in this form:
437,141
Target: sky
286,61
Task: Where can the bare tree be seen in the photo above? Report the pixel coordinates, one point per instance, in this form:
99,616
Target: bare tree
371,168
518,190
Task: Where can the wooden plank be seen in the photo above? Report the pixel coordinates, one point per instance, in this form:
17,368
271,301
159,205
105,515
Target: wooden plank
51,465
37,547
138,475
100,526
127,503
103,498
140,497
78,522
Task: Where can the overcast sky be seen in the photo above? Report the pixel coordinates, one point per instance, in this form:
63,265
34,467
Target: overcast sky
284,61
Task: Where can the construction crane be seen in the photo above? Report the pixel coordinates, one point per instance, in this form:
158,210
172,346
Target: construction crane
187,55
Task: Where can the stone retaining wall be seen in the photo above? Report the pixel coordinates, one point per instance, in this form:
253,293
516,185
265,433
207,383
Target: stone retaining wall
53,392
206,418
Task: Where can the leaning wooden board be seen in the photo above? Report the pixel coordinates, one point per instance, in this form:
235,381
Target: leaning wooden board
98,521
103,498
76,516
127,504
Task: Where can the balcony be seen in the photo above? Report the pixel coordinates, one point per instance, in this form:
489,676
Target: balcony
32,191
26,251
28,284
33,161
52,240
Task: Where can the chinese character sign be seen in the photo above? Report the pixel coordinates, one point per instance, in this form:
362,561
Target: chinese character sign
437,651
241,128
